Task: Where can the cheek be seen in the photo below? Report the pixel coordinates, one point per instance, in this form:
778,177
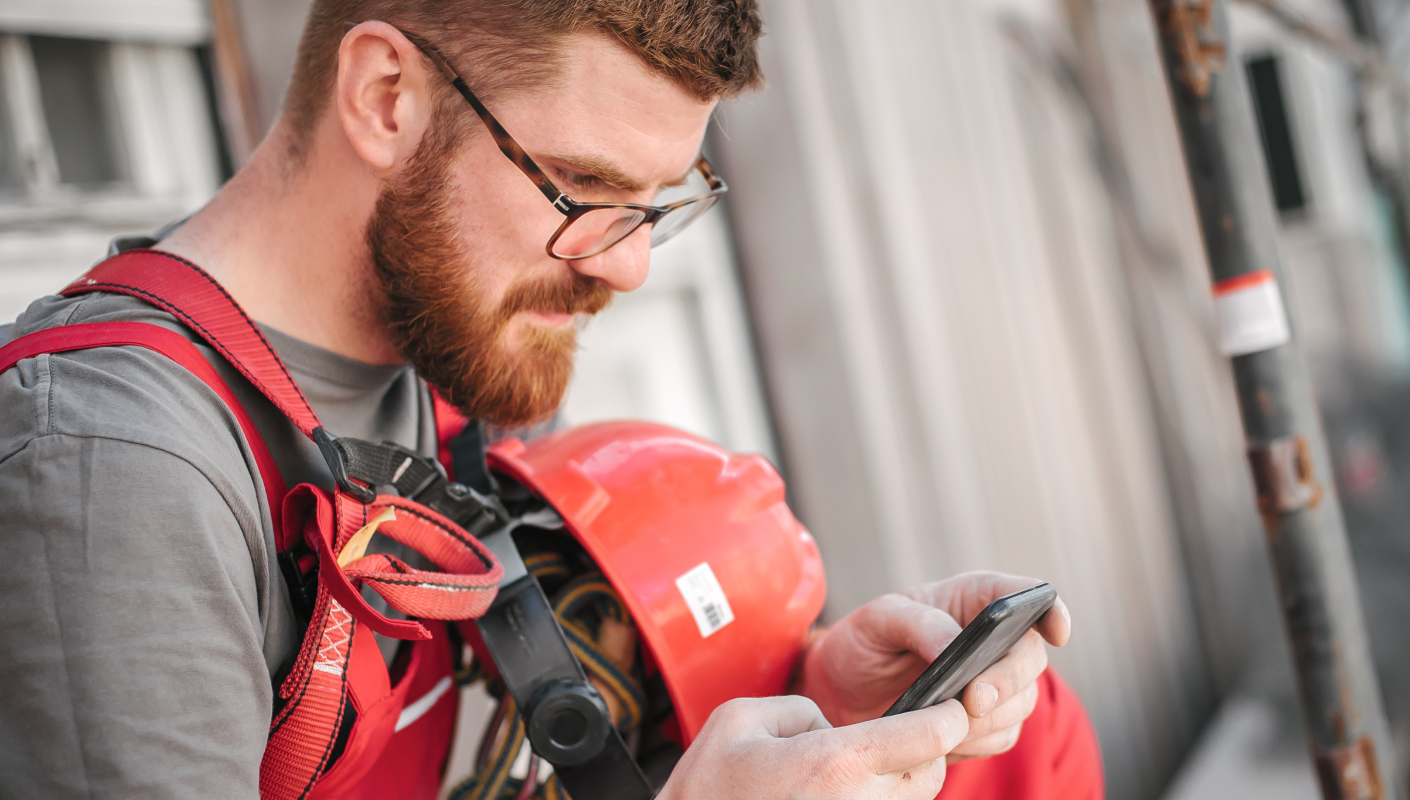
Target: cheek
490,249
503,216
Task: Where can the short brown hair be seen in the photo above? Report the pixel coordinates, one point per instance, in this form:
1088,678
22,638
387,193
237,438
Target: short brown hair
708,47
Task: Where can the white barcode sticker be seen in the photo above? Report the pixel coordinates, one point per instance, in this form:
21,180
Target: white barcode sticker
706,599
1250,315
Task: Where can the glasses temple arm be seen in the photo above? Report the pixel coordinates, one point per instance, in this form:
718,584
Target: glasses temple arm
506,143
715,182
512,150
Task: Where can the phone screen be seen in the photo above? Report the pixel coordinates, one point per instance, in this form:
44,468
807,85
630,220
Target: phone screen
985,640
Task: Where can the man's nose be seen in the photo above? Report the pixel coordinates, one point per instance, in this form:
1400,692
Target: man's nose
624,266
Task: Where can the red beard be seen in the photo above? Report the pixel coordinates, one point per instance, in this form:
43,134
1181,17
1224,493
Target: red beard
440,319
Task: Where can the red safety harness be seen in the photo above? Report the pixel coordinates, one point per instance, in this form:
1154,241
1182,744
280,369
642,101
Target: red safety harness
344,726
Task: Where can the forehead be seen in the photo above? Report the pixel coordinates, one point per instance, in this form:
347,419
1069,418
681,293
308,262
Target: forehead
607,105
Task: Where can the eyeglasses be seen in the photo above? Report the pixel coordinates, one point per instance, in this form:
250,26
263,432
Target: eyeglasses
590,228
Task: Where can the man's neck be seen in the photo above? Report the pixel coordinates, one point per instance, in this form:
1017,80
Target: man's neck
287,243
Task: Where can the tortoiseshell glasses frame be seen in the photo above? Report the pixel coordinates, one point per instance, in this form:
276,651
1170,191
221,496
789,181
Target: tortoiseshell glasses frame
589,228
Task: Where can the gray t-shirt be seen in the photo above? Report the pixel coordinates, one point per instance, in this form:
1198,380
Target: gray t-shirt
142,612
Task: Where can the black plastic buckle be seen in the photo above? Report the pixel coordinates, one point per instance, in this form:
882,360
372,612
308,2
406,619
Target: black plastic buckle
303,585
338,464
477,513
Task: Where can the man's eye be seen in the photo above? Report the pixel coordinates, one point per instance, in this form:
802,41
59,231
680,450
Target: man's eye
579,180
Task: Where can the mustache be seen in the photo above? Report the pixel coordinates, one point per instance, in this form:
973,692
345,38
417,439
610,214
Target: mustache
582,294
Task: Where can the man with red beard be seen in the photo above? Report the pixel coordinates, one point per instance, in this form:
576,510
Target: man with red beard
383,242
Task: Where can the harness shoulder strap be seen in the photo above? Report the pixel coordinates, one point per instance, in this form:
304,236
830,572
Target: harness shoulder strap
188,293
329,677
175,347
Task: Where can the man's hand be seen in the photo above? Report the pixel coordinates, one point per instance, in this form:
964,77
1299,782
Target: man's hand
780,748
859,666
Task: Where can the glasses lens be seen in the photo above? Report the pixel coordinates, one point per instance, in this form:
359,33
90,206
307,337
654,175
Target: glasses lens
596,231
678,219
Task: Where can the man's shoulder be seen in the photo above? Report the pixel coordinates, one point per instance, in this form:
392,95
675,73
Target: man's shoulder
124,393
53,311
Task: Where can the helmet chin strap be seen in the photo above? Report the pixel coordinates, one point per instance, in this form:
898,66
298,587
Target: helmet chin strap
567,721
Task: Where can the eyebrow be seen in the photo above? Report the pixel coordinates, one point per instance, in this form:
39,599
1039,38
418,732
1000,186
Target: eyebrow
613,175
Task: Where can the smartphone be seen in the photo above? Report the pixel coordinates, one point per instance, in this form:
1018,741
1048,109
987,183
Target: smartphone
986,639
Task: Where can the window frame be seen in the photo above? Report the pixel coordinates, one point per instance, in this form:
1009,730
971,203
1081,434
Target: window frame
157,115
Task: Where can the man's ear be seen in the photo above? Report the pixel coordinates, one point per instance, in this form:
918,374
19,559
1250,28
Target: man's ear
382,93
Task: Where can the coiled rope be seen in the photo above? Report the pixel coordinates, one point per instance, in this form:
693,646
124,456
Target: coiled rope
601,636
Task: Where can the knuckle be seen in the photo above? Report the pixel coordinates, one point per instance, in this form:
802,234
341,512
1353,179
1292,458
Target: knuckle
1040,660
1015,710
926,589
1005,677
983,726
1034,648
1021,668
837,767
1030,699
733,713
734,707
1010,738
943,734
884,606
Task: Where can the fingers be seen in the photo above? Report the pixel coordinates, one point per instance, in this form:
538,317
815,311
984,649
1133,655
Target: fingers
897,623
985,746
782,747
1056,625
791,715
1012,674
774,717
1010,714
964,596
907,741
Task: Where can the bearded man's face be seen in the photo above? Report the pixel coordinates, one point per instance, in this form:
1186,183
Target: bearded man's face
457,240
450,326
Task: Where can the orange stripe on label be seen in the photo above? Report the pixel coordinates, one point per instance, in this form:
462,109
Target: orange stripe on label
1249,315
1244,281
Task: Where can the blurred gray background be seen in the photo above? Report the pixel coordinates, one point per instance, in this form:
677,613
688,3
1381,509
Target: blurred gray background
957,294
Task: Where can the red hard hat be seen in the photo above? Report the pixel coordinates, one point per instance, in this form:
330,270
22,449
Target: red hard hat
721,579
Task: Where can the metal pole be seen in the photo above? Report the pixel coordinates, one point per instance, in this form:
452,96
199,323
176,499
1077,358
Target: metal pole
1287,451
235,87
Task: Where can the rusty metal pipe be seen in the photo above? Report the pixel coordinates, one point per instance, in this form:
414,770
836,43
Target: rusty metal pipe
1306,537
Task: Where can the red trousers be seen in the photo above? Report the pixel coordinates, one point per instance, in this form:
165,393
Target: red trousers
1056,757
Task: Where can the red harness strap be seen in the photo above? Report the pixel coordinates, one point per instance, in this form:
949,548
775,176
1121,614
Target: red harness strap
175,347
339,669
188,293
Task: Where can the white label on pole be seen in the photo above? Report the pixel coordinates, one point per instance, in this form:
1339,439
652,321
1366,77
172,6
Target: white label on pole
1249,312
706,599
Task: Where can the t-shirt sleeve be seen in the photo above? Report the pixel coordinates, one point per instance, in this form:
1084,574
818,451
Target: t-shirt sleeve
129,627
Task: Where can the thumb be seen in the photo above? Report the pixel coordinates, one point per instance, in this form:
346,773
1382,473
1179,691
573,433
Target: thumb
790,715
753,718
905,741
